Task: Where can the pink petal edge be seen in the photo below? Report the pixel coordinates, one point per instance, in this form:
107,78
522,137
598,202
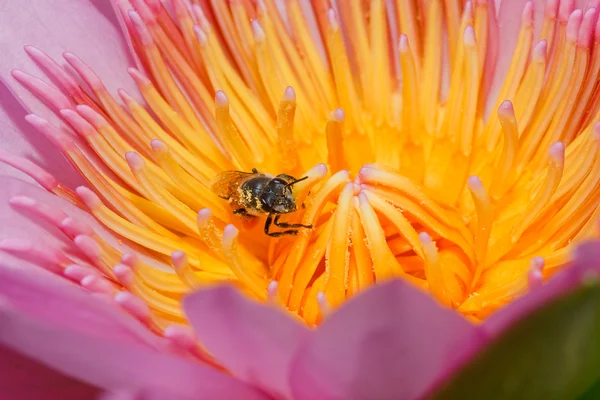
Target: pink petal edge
391,341
255,342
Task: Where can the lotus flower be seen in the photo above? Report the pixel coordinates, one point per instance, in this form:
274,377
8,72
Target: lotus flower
449,152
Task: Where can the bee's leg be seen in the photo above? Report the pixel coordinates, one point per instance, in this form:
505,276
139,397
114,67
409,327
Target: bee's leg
254,171
268,223
287,225
243,213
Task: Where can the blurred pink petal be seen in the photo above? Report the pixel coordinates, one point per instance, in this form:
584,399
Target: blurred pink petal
85,27
24,379
144,394
389,342
255,342
82,336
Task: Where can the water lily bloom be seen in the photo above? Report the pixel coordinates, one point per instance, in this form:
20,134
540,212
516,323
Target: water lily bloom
447,161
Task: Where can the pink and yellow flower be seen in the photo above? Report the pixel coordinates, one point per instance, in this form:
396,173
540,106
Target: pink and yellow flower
450,148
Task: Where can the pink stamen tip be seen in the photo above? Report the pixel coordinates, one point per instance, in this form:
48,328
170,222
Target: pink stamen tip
180,9
324,306
362,198
365,172
53,69
540,51
203,217
91,116
333,20
557,152
77,272
272,290
258,32
84,71
535,276
469,36
40,175
130,259
338,115
587,28
230,233
565,9
289,95
144,11
181,336
50,255
319,170
89,198
468,11
97,284
154,5
475,183
50,214
142,32
403,44
89,247
200,17
527,15
127,99
74,228
80,125
52,96
158,146
596,131
179,259
124,274
135,161
139,78
551,8
506,109
221,99
201,35
425,239
54,134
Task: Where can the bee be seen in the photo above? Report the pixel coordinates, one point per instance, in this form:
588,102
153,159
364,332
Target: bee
253,194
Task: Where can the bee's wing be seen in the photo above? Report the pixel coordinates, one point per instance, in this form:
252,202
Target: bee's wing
226,183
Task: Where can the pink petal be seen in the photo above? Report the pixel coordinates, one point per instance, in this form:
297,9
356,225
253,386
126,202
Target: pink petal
85,27
24,379
82,336
388,343
586,265
255,342
146,394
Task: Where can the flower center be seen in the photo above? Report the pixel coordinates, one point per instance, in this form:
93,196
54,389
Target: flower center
406,174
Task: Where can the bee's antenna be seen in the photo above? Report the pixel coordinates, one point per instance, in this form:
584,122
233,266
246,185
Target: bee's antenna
296,181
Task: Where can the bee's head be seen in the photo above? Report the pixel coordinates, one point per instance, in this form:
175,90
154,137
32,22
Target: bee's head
277,198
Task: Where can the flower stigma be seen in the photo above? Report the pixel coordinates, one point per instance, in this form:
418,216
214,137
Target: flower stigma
415,168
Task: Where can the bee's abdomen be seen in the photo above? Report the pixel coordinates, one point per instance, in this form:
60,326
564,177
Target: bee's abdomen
251,191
